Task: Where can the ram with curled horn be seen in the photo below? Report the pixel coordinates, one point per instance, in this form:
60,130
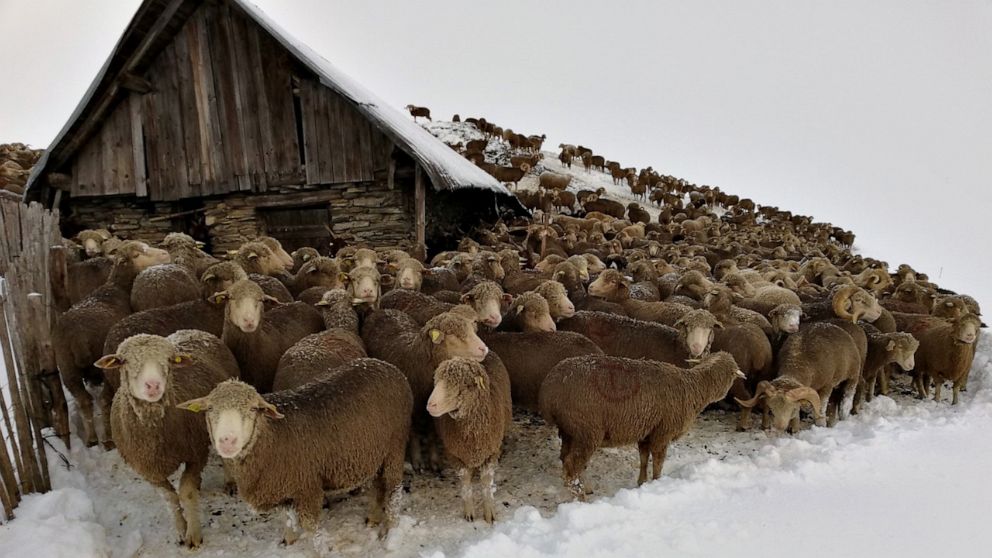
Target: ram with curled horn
781,403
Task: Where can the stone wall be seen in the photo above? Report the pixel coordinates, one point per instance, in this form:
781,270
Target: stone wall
372,213
127,218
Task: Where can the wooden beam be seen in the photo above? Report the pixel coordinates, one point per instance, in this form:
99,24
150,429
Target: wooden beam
391,176
420,213
311,197
135,83
174,215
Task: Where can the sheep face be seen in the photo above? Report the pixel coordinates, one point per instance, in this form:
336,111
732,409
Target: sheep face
459,383
233,410
303,255
283,257
696,329
786,317
557,298
533,312
902,350
949,307
364,258
142,256
220,276
854,303
363,282
245,302
487,300
453,335
92,242
610,285
784,398
582,265
491,267
410,274
145,363
965,329
321,272
256,257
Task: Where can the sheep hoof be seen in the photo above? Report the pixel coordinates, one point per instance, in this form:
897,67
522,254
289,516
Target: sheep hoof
109,445
469,515
91,443
193,542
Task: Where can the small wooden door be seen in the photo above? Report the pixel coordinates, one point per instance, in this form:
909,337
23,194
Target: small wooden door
296,227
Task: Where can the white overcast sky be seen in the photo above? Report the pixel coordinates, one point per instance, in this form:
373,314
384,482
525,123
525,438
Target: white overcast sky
875,115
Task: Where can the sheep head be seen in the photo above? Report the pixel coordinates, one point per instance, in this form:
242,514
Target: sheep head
364,283
851,302
901,348
140,255
949,307
786,317
611,285
557,297
453,334
220,276
784,398
533,312
281,255
459,385
92,242
409,274
965,329
696,329
487,299
244,302
233,411
256,257
145,363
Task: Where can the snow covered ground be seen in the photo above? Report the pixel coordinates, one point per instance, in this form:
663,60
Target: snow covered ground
905,478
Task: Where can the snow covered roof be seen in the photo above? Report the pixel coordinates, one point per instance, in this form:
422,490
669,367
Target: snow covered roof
447,169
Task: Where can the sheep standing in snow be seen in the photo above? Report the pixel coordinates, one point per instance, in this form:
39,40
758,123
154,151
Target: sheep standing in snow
154,437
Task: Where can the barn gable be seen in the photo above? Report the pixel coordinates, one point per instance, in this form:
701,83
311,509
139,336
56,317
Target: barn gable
203,99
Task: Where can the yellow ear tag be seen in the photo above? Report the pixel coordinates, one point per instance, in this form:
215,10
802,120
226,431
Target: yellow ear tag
195,407
481,382
218,299
177,360
435,335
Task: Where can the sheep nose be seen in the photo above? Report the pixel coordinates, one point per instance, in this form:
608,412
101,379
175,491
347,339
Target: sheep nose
153,387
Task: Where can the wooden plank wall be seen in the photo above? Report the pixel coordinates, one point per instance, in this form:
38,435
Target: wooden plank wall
220,118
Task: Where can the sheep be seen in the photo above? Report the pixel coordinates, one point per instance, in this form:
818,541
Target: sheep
945,354
344,429
637,214
396,338
767,297
163,285
884,349
277,250
320,352
86,276
469,413
301,256
814,362
256,257
719,302
557,298
92,241
529,356
609,207
186,252
416,111
553,181
152,436
528,312
626,337
512,175
604,401
612,286
365,283
80,332
409,274
486,299
848,302
258,339
318,271
220,276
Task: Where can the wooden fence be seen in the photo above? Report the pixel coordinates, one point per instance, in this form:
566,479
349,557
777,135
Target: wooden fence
32,401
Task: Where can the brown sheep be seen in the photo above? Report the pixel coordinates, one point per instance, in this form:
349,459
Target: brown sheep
277,250
415,112
301,256
612,286
814,362
557,297
512,175
486,299
554,181
164,285
186,252
528,358
80,332
258,338
351,425
626,337
318,271
154,437
601,401
885,349
637,214
945,354
409,274
528,312
86,276
470,418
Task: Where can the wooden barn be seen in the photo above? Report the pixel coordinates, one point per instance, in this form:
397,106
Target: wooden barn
208,118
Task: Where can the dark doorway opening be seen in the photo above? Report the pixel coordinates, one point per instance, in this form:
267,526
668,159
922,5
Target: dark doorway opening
296,227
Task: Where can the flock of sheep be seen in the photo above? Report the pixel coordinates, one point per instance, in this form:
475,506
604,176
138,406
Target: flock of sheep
307,373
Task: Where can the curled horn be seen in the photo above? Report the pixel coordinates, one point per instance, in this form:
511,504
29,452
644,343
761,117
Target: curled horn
808,394
763,388
840,300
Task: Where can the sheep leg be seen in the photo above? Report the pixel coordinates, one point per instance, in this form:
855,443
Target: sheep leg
487,482
74,383
956,390
389,490
644,447
574,465
766,418
922,387
106,402
883,380
846,405
415,452
306,504
172,500
657,460
189,496
468,502
937,385
867,392
434,461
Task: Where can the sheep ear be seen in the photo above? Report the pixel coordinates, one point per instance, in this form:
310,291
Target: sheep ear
466,298
219,298
343,277
481,382
891,346
718,325
272,299
436,336
208,276
109,362
520,309
306,257
507,298
312,269
195,405
269,410
181,360
321,302
252,255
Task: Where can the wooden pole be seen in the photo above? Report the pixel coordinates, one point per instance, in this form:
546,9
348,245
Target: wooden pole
58,270
420,210
17,405
39,418
48,372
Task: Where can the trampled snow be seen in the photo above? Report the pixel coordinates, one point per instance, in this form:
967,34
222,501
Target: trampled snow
905,477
